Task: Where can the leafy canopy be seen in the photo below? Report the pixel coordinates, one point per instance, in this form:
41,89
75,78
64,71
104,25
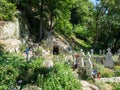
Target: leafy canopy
7,10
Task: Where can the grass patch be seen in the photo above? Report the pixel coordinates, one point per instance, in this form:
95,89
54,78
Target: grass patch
81,42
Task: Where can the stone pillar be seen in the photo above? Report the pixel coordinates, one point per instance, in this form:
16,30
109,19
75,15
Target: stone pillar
109,60
89,66
81,58
91,52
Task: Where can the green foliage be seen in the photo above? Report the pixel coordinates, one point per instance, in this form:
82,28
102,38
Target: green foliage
22,47
8,75
7,10
97,25
37,52
116,86
117,70
60,77
1,47
64,27
105,72
13,69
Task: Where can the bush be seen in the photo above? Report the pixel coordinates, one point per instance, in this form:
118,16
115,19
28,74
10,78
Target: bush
60,77
1,47
7,10
105,72
117,70
8,75
22,47
116,86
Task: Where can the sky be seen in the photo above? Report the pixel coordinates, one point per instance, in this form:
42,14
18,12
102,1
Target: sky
94,1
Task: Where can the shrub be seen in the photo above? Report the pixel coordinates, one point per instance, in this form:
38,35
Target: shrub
1,47
7,10
22,47
105,72
60,77
117,70
116,86
8,75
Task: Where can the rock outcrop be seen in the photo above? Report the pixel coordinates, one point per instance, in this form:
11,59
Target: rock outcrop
14,33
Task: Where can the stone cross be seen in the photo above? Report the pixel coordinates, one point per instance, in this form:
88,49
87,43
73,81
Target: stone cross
89,66
109,60
81,58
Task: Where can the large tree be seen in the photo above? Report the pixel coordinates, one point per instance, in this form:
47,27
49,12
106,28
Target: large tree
107,24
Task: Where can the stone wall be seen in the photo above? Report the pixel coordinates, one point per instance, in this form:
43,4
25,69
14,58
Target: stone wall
14,33
9,29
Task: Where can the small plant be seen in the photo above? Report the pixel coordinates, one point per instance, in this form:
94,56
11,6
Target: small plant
105,72
1,47
117,70
8,10
37,52
60,77
116,86
22,47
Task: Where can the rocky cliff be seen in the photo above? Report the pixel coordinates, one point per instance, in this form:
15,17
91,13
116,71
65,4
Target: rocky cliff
14,33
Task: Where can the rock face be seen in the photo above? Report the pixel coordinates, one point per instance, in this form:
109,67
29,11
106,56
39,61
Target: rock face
88,86
9,29
11,45
13,33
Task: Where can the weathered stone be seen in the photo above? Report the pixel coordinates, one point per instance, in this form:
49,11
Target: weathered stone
48,63
14,33
81,58
89,66
91,52
11,45
87,86
109,60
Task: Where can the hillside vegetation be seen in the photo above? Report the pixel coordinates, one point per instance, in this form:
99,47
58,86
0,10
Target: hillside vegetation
82,24
15,72
88,25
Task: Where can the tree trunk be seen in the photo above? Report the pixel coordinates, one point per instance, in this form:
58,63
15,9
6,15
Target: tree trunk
95,39
51,22
41,22
40,31
96,36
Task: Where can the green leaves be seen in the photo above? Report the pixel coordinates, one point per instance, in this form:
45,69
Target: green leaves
60,77
7,10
